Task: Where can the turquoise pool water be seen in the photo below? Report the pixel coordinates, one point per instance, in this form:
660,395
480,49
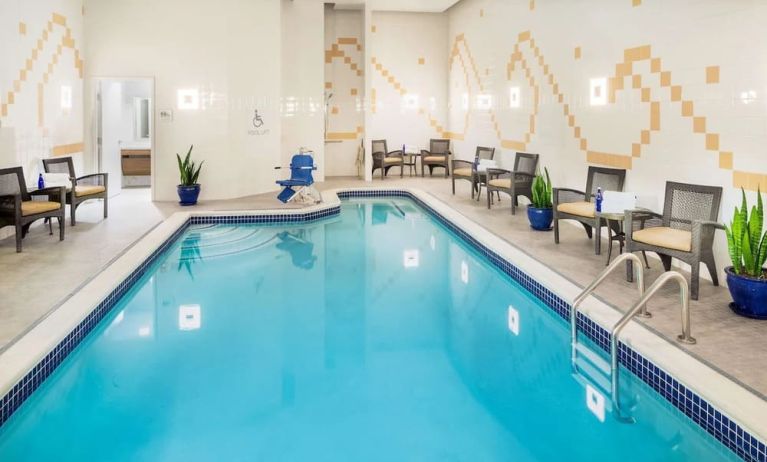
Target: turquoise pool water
374,336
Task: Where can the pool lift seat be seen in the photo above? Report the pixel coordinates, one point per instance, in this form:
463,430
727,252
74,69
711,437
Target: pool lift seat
588,366
300,184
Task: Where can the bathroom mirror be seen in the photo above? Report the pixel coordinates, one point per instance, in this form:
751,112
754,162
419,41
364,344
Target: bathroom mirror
143,111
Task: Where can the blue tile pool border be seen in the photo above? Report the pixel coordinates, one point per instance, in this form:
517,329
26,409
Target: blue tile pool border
692,405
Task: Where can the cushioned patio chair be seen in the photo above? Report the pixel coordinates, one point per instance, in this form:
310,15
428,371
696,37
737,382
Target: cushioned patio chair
684,231
83,188
438,155
384,160
515,183
19,210
464,169
571,204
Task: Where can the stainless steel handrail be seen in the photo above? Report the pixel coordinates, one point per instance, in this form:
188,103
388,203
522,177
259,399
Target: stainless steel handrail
591,287
685,337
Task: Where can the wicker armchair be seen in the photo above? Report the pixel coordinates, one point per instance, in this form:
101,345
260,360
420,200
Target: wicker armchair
684,231
515,183
384,160
438,155
83,188
571,204
464,169
19,210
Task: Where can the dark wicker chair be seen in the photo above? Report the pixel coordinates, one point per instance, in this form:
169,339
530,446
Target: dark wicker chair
384,160
464,169
684,231
571,204
19,210
83,188
438,155
515,183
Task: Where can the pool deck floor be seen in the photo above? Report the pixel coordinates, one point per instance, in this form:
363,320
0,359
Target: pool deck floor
35,281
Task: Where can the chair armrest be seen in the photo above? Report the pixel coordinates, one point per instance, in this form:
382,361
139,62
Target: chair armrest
16,198
703,233
424,152
397,153
494,173
50,191
455,162
555,192
92,175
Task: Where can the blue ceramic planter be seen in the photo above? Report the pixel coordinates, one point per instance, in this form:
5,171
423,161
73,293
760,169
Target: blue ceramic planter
540,219
749,295
187,195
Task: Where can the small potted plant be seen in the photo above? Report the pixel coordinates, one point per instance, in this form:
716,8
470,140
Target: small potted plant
540,212
189,189
747,244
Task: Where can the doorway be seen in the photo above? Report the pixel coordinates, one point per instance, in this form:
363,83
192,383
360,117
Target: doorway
125,132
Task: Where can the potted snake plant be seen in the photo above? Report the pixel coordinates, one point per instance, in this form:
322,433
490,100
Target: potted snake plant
540,212
747,244
189,189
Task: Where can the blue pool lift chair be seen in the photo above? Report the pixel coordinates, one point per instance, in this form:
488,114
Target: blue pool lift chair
301,180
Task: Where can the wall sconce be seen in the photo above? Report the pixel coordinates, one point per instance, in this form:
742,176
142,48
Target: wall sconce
484,102
188,99
598,91
410,101
515,99
66,99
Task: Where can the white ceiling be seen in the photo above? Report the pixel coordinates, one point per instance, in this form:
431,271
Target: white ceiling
422,6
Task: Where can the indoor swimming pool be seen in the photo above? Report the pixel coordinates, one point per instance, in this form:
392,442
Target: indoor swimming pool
373,335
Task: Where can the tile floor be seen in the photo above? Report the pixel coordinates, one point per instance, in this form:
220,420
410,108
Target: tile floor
38,279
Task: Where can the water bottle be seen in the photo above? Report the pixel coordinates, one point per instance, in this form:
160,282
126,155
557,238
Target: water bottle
599,199
40,182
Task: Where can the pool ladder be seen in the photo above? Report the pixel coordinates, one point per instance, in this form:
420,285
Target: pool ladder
638,309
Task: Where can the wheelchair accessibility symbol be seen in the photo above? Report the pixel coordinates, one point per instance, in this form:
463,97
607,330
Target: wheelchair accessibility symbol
257,120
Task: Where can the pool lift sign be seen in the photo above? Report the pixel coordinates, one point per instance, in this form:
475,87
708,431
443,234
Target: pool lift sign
257,121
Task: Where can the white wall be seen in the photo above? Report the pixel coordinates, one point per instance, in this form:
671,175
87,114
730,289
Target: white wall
408,63
41,45
345,78
229,53
685,58
303,77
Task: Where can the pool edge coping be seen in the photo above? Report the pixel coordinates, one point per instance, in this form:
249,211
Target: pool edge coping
742,406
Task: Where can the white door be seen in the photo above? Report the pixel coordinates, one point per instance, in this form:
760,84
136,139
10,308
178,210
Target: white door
111,120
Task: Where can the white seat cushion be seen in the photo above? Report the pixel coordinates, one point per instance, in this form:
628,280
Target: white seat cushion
434,158
463,171
87,190
581,209
669,238
392,160
504,183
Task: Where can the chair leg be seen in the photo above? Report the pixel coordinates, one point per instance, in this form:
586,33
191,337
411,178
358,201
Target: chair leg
588,229
472,193
106,208
556,230
19,235
62,222
514,203
694,280
644,255
666,260
447,171
629,271
50,226
489,198
72,208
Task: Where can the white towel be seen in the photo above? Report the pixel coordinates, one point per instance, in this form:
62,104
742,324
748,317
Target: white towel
484,164
55,180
